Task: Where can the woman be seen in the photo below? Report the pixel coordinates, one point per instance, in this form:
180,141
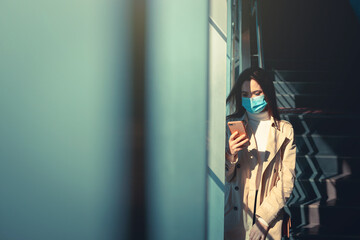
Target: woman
260,169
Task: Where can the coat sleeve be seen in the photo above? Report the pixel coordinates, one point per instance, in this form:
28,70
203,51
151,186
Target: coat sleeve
229,166
280,193
230,169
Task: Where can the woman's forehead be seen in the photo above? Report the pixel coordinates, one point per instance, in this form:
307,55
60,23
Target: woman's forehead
250,86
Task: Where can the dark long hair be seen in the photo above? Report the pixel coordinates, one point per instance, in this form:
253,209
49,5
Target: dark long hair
266,83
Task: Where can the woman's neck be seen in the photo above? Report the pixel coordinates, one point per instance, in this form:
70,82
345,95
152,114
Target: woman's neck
263,116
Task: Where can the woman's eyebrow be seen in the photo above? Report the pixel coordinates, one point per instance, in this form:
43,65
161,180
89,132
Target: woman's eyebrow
255,91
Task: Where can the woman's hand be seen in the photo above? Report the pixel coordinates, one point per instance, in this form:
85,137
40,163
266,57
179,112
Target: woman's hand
258,231
237,143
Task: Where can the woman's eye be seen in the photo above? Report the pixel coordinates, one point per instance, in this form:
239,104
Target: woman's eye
257,93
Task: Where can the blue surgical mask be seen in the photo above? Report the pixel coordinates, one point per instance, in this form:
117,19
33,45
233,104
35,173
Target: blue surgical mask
255,104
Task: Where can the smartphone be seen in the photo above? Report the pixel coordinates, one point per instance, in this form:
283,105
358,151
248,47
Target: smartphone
237,126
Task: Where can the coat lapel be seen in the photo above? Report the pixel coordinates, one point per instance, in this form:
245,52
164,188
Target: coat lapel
275,140
252,148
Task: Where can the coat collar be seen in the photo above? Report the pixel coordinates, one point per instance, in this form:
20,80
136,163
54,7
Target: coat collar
275,140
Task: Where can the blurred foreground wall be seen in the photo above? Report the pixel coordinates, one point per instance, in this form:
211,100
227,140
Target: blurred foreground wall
62,110
112,119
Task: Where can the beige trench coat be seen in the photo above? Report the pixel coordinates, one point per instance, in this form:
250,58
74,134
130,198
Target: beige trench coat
276,173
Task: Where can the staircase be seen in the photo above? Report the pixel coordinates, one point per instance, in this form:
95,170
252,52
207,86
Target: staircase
325,203
313,48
